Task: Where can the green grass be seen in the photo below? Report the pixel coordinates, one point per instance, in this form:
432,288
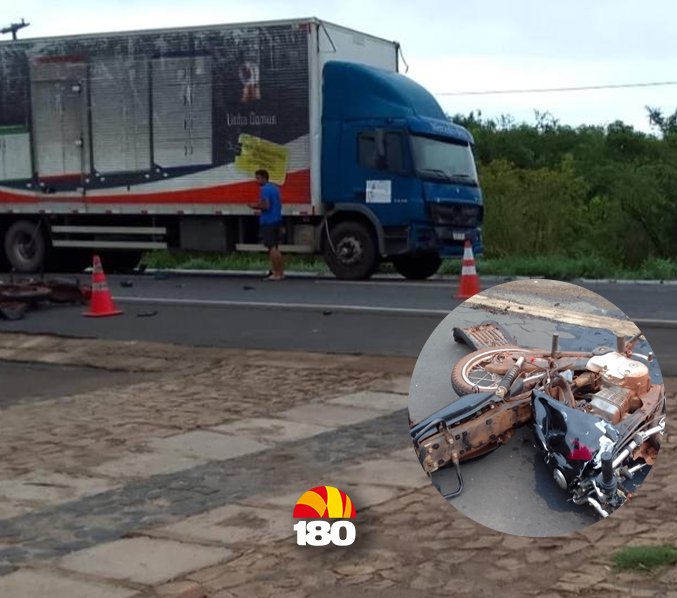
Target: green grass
235,261
552,266
644,558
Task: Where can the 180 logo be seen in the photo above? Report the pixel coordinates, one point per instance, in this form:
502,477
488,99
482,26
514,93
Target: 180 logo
324,502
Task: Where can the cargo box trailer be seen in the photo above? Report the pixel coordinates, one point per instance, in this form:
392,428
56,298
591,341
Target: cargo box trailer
119,143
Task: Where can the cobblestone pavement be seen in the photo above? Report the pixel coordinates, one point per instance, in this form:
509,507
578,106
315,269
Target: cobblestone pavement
415,543
183,486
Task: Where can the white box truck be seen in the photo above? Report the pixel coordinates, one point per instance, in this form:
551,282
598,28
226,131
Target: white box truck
118,143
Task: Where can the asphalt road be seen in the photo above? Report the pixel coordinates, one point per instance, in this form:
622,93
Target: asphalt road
385,317
645,301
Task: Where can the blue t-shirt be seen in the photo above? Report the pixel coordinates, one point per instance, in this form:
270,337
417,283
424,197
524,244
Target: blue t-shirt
273,214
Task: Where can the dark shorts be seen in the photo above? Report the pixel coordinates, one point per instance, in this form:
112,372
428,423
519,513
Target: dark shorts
270,235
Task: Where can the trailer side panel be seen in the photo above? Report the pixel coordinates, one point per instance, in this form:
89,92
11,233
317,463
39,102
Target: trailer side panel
164,122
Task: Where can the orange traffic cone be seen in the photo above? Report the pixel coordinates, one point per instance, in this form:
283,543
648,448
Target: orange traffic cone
102,303
470,282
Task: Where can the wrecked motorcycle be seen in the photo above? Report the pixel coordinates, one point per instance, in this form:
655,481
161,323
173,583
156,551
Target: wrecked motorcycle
596,416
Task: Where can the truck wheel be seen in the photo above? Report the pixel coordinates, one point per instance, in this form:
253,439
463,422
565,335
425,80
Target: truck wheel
25,246
352,253
417,266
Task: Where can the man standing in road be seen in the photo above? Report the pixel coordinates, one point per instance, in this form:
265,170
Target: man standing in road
270,222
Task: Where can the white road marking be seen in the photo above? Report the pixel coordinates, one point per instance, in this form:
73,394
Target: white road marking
550,314
279,304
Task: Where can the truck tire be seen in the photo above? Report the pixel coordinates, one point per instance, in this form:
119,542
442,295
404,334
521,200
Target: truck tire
352,253
25,246
417,266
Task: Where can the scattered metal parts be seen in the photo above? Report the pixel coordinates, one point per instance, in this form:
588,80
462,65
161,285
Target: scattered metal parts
16,297
65,290
23,293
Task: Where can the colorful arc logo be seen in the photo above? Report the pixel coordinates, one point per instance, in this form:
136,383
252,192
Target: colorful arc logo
324,502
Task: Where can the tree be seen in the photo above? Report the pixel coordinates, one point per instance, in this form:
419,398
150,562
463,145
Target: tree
603,192
665,124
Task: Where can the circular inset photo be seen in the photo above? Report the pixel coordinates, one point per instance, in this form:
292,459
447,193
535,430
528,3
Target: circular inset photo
537,408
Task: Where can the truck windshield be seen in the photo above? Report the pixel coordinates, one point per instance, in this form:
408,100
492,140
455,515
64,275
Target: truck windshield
443,160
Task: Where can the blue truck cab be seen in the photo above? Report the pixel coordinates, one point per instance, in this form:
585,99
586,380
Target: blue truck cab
399,181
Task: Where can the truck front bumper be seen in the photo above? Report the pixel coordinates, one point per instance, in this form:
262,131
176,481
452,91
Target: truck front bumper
448,241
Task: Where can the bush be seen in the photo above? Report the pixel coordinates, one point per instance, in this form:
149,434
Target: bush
658,269
532,212
599,191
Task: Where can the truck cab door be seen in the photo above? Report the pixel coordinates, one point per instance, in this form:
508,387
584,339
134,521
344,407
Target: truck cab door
377,172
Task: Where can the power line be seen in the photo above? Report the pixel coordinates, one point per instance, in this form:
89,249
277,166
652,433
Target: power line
557,89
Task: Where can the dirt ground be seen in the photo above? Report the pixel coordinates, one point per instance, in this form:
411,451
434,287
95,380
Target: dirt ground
410,544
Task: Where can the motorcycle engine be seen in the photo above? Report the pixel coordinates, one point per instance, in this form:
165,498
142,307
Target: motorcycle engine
624,380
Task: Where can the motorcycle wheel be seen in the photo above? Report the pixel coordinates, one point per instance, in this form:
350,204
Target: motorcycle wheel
470,373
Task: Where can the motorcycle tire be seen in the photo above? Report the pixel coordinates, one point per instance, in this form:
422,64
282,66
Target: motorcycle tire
462,380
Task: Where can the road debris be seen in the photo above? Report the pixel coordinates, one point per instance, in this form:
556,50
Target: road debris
17,297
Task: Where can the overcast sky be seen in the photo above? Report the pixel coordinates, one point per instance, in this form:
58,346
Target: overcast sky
453,46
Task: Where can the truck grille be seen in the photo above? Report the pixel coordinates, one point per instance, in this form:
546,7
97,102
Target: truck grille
466,216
